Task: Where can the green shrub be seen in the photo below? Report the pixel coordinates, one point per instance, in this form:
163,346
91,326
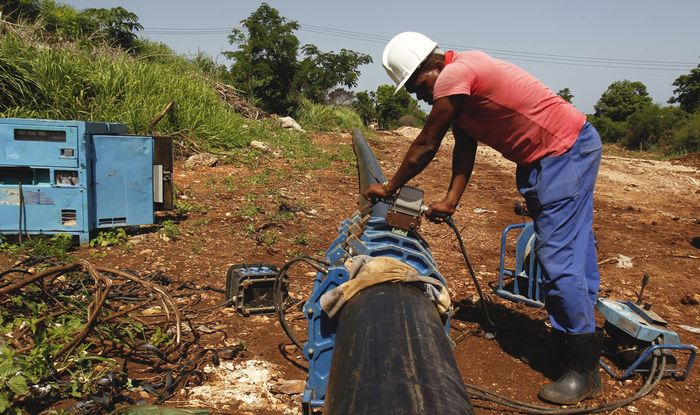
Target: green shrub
170,229
686,138
318,117
111,237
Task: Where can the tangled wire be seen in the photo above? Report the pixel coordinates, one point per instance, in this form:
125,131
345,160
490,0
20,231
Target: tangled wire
74,330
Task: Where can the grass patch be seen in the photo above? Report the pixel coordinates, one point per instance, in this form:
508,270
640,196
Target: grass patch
183,207
301,239
41,247
69,81
110,237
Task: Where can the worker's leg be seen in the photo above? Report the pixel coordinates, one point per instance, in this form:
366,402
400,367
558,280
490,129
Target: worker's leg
562,244
559,194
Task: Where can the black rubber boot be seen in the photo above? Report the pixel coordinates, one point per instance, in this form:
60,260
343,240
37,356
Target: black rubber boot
553,352
582,380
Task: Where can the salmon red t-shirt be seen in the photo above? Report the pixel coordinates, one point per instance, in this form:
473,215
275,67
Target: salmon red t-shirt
507,108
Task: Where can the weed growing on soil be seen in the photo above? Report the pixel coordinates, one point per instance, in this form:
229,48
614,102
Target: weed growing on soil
249,212
170,229
230,183
109,238
183,207
200,222
268,238
300,239
55,246
260,178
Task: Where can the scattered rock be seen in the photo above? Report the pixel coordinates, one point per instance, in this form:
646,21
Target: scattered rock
691,299
632,409
290,348
288,387
623,261
201,160
150,311
246,382
259,145
289,122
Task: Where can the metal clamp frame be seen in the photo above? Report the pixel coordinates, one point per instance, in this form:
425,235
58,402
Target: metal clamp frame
531,271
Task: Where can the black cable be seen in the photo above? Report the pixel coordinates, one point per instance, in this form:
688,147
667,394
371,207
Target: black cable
317,264
482,298
527,408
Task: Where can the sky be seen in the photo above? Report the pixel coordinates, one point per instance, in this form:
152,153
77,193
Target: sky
580,45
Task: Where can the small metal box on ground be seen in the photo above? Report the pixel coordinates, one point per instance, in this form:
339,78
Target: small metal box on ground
250,288
77,177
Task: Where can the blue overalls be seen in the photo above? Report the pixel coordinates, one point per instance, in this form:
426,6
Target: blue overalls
558,191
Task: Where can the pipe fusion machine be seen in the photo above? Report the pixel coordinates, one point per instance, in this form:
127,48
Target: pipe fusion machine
387,350
635,333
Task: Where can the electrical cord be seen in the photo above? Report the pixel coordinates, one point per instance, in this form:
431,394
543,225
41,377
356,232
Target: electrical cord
482,298
527,408
318,264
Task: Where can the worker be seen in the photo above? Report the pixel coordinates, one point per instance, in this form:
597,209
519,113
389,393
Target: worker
557,155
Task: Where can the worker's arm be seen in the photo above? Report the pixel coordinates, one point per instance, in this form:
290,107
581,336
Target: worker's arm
423,148
463,157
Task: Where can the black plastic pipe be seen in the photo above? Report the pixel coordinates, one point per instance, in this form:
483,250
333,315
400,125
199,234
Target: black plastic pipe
392,356
368,172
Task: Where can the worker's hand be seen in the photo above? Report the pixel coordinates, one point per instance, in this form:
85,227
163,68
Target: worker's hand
439,211
377,191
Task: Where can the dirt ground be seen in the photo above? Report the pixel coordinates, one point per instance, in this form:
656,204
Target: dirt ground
648,211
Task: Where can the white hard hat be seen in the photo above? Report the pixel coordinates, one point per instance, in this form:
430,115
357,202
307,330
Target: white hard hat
404,54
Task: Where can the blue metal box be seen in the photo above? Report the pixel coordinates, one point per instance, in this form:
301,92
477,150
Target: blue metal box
76,177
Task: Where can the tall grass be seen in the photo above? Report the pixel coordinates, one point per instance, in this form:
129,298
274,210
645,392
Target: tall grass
104,84
330,118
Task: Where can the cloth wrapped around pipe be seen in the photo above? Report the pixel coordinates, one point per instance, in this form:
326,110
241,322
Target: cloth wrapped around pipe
366,271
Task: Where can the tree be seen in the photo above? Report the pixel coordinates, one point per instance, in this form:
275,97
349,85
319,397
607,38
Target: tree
392,106
340,96
319,72
687,136
622,99
365,104
566,94
651,127
687,92
266,67
265,63
116,25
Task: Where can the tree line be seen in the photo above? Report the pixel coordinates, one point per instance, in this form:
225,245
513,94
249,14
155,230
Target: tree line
626,115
